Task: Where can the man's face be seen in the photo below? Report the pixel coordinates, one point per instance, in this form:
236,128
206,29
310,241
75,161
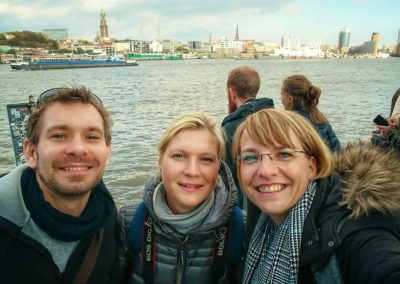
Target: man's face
71,155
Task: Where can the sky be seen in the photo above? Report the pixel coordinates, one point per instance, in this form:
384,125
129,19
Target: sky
305,21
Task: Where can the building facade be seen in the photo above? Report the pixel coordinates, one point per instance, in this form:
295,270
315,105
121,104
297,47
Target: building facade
344,39
374,41
398,44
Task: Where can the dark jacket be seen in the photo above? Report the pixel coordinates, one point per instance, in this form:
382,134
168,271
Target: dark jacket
231,123
187,258
325,131
352,232
23,259
391,140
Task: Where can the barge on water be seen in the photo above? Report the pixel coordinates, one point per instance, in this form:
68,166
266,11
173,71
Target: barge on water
44,63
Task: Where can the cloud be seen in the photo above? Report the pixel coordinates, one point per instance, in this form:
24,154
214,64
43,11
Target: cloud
262,20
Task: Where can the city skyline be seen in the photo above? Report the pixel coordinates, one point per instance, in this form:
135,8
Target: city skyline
262,20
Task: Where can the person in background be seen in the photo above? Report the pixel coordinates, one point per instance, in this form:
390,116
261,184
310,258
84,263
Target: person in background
188,217
317,225
58,222
388,136
300,95
242,87
395,106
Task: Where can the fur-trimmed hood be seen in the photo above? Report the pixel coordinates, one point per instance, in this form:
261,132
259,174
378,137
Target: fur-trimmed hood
371,178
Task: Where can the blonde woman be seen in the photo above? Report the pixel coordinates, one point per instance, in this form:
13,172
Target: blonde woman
193,231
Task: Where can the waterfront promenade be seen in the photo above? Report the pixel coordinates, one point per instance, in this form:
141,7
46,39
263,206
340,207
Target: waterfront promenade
144,99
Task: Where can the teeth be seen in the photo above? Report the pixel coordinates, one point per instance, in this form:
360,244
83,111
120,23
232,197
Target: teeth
272,188
75,168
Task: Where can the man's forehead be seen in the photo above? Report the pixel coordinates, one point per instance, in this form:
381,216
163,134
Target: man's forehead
64,115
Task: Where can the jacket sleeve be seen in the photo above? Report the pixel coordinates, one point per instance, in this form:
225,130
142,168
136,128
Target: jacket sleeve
121,270
334,143
371,256
394,139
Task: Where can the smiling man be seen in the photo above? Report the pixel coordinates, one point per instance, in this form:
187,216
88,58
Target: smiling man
57,218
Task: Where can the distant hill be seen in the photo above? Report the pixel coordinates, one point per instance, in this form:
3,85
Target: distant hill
27,39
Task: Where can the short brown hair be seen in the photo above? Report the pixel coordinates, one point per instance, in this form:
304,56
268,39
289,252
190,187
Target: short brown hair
68,95
272,126
245,80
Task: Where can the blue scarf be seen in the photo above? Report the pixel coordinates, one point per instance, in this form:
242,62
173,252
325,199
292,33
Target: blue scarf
62,226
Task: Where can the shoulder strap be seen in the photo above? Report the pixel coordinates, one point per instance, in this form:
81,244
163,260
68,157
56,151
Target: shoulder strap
229,244
135,231
90,258
236,240
8,227
142,239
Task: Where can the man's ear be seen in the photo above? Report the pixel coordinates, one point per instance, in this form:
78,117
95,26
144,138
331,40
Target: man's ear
232,93
30,154
108,154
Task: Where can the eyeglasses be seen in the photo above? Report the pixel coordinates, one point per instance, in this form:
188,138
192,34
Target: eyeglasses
279,158
55,91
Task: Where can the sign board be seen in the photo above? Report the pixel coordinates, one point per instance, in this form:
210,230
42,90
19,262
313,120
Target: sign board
18,115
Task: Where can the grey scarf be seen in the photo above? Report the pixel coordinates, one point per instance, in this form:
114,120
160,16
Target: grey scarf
183,223
273,255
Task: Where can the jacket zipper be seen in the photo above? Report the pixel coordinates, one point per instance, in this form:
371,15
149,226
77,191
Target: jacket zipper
181,261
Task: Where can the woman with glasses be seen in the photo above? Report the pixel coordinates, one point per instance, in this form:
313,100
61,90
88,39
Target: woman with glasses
300,95
188,228
314,225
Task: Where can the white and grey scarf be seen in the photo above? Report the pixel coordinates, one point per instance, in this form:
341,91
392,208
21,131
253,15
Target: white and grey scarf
183,223
273,255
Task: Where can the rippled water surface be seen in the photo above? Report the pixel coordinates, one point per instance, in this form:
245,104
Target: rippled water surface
144,99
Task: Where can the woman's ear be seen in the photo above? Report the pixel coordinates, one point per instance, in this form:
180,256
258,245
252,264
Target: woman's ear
313,168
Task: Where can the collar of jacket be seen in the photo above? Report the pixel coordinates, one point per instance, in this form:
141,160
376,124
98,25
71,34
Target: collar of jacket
320,232
249,107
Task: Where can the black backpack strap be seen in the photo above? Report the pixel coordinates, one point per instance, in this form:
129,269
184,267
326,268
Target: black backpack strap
9,227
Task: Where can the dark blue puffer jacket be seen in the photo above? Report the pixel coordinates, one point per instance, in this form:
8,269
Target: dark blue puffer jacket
325,131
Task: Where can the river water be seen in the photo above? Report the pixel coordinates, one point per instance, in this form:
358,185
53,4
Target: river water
144,99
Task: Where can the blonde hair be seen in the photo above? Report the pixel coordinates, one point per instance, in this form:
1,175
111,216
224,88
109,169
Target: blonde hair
193,121
276,127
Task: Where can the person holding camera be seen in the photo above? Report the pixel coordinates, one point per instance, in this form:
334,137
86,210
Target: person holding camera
322,218
388,131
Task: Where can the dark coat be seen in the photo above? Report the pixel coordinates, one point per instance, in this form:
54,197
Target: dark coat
325,131
25,260
392,139
364,198
231,123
